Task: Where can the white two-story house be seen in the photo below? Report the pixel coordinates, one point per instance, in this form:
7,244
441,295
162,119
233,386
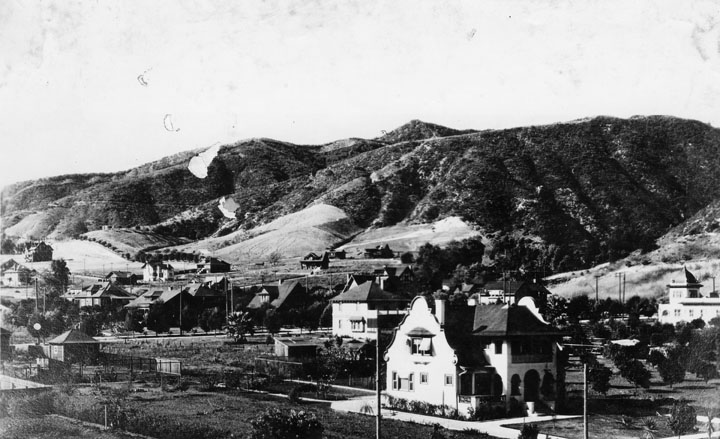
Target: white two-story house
685,303
364,309
465,356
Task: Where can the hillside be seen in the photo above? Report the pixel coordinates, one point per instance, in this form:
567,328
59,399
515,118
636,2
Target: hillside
582,192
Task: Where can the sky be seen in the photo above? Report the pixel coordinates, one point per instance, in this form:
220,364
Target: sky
103,86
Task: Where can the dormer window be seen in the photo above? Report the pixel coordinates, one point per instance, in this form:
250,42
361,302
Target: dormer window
421,345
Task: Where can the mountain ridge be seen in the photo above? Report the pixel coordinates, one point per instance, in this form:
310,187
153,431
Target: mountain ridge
587,190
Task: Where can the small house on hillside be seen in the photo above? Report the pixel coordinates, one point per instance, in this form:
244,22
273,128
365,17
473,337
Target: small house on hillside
15,275
74,346
471,356
336,254
314,261
158,271
38,253
210,265
122,278
363,310
5,348
378,252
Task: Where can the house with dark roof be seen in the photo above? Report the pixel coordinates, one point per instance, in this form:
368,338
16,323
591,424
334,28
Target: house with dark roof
363,310
122,277
314,261
286,294
378,252
103,294
157,271
468,356
38,252
210,265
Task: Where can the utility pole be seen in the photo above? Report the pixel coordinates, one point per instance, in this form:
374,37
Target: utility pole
232,303
620,277
377,383
36,295
623,287
597,276
181,291
585,398
226,306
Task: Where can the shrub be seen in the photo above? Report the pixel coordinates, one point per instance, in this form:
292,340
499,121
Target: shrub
529,431
273,424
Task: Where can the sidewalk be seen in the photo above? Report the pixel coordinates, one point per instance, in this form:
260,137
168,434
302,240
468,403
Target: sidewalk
494,428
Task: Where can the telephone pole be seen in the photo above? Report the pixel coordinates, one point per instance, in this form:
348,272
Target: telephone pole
597,276
377,383
621,281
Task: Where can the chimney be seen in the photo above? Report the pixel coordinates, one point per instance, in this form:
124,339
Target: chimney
279,282
382,283
440,311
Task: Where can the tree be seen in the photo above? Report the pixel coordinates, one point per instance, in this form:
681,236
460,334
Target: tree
156,319
211,319
326,316
274,424
274,257
7,247
407,258
682,418
272,321
529,431
134,320
240,324
636,373
671,371
599,378
59,276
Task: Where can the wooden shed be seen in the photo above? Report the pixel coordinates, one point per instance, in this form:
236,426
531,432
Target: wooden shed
74,346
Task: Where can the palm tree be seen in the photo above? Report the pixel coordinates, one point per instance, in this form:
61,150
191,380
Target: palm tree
649,427
709,427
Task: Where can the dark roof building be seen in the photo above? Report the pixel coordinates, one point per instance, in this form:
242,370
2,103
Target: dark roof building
212,265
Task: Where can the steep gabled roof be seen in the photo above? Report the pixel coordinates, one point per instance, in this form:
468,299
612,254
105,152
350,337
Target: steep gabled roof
366,292
73,336
469,348
508,321
284,291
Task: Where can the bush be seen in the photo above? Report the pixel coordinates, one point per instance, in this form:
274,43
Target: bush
529,431
273,424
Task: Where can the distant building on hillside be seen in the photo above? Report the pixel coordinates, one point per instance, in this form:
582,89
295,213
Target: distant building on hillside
210,265
380,251
157,271
122,278
314,261
38,253
685,303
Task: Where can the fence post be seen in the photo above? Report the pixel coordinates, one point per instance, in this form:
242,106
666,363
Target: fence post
106,417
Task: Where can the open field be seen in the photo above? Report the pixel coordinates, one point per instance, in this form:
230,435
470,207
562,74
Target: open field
52,427
640,280
132,241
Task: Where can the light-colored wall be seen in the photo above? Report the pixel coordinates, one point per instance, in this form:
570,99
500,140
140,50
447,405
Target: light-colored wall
400,359
343,312
689,310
